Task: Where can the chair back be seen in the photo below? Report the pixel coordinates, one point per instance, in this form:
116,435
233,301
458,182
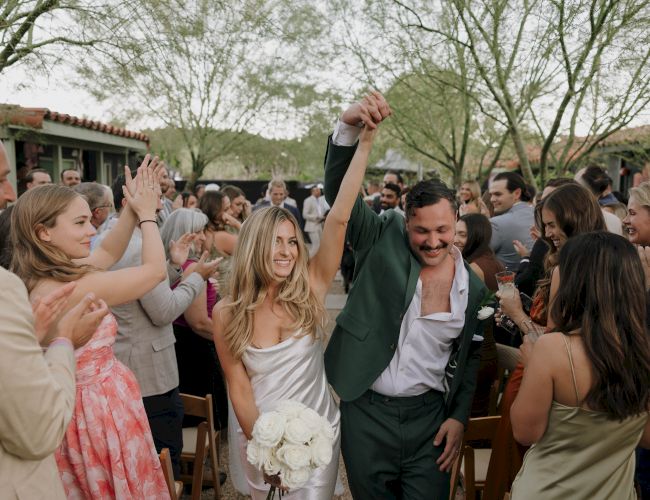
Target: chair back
478,429
175,487
206,444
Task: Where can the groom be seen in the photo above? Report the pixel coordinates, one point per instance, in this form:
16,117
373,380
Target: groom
405,351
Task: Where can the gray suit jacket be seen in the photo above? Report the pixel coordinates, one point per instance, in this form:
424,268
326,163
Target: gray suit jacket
313,220
145,336
38,394
513,225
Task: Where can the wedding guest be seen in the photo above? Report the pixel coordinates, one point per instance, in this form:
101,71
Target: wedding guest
469,195
199,372
568,211
38,390
637,228
473,234
584,399
108,450
240,207
219,242
145,336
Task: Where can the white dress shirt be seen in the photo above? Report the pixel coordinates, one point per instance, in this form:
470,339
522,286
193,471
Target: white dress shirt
425,342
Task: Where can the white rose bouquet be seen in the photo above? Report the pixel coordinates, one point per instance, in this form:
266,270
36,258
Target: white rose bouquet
290,442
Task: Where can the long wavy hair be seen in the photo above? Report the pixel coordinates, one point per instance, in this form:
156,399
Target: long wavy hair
34,259
603,295
252,275
577,212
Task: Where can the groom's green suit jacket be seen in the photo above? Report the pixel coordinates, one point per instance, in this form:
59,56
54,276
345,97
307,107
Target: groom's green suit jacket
386,274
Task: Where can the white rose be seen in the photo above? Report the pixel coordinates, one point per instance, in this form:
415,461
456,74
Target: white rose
312,419
294,479
296,431
321,451
326,429
296,456
269,428
273,466
290,409
257,455
485,313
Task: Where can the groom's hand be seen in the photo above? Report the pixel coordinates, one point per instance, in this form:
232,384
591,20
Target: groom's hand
451,431
371,110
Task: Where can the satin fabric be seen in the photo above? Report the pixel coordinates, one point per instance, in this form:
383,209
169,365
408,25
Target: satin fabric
292,369
582,455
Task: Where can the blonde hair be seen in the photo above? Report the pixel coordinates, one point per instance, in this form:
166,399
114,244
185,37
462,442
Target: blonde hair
252,275
474,188
34,259
641,194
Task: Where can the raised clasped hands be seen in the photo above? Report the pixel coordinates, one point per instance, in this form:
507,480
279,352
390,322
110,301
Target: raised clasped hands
146,197
371,110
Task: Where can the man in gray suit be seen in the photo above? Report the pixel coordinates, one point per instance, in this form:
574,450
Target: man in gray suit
145,339
513,218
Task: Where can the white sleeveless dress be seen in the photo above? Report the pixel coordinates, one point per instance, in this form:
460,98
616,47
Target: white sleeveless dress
293,369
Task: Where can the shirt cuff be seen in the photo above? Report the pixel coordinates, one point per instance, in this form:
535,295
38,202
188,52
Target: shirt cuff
61,341
345,135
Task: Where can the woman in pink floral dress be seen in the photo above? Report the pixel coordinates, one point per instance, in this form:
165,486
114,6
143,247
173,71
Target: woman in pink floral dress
108,451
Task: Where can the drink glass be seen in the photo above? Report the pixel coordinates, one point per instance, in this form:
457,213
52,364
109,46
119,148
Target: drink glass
506,283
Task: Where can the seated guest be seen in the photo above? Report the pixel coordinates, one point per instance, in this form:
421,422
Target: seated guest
584,398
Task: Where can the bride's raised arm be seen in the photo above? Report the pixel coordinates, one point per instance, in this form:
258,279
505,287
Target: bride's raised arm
323,266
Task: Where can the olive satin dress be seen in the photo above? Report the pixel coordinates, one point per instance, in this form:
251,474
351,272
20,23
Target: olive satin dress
582,455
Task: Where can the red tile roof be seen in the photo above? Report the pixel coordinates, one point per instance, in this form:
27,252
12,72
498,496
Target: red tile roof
34,117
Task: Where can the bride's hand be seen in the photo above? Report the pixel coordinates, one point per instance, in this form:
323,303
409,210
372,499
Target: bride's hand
275,480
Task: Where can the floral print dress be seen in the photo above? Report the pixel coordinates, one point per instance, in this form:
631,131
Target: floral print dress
108,450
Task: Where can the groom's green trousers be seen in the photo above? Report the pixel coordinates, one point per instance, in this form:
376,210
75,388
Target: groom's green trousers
388,449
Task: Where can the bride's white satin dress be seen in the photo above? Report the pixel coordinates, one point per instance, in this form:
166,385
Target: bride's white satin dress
293,369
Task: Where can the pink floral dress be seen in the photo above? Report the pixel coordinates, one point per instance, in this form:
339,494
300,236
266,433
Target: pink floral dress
108,451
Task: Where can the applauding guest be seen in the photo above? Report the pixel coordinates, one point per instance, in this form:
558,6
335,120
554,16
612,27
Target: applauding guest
108,450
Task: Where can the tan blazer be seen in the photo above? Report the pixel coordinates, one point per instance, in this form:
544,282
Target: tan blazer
37,395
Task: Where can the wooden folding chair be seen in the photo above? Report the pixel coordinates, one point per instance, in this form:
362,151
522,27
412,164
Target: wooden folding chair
175,487
473,463
199,442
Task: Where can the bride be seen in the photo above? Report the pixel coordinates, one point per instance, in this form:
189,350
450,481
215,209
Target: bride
268,329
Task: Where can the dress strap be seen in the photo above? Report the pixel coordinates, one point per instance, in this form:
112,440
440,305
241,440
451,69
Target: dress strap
573,373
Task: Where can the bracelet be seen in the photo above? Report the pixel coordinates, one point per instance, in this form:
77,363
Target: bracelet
147,220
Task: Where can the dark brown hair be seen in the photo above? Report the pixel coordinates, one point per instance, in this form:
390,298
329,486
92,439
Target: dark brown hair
603,295
211,204
479,234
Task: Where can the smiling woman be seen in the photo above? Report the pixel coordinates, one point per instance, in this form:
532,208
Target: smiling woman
51,231
637,221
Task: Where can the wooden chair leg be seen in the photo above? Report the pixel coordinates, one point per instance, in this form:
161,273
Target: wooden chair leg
199,460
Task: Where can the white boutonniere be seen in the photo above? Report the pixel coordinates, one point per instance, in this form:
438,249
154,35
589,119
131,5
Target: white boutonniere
485,312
